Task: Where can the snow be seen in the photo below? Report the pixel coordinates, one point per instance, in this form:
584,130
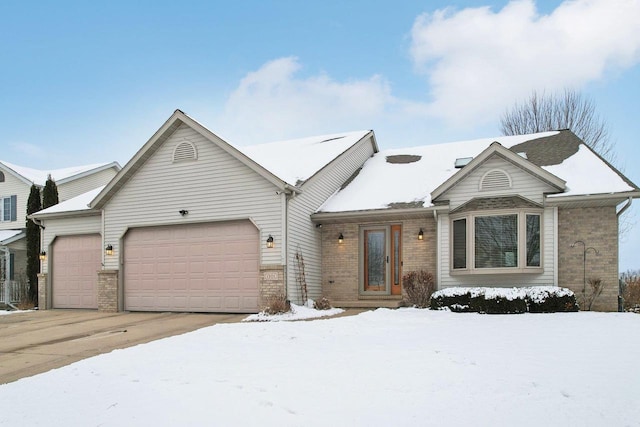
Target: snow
8,234
381,183
39,177
78,203
385,367
298,312
6,312
298,159
536,293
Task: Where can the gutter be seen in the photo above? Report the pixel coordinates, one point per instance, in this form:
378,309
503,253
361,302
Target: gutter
377,213
625,207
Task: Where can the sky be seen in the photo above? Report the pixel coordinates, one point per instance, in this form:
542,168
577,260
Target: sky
87,82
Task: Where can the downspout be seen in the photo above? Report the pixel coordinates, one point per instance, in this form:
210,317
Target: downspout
286,196
625,207
438,266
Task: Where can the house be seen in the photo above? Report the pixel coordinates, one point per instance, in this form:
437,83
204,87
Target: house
193,223
507,211
15,186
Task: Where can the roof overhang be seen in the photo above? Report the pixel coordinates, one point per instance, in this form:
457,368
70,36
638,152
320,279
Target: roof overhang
18,236
609,199
497,149
376,214
114,165
65,214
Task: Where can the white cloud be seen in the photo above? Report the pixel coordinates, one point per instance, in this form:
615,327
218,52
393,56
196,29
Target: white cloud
29,150
273,102
479,61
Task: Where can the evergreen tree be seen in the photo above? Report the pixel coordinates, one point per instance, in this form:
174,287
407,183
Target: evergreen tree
49,193
33,244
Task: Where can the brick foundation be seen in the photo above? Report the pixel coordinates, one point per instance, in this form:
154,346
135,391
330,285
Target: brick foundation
108,290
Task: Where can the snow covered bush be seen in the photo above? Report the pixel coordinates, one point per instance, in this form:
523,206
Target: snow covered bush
418,287
550,299
322,304
537,299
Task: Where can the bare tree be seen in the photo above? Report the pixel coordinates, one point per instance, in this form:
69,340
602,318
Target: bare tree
568,110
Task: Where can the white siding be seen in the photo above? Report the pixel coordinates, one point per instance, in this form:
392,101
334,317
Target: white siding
523,184
10,187
302,233
78,186
447,280
55,227
216,187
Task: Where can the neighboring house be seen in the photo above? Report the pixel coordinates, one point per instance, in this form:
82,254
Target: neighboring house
193,223
15,186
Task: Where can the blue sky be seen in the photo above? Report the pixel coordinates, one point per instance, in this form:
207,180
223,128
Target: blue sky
85,82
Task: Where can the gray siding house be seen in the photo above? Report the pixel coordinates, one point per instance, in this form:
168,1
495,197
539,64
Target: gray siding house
193,223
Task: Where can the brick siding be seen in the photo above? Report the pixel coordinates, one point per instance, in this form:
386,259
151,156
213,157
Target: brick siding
108,290
598,228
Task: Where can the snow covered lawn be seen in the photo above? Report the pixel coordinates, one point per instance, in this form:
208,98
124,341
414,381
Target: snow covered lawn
380,368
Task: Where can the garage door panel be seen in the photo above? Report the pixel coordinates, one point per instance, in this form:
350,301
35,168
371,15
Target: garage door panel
74,277
196,267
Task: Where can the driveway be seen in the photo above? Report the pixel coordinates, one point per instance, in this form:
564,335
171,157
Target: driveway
38,341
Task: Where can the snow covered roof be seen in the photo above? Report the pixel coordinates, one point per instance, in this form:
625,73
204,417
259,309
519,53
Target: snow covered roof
39,177
6,236
76,204
384,183
296,160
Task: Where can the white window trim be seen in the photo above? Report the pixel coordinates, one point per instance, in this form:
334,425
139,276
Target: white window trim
522,242
2,199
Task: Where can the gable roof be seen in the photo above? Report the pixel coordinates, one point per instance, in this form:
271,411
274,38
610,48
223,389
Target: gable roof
60,176
385,184
286,164
497,149
10,236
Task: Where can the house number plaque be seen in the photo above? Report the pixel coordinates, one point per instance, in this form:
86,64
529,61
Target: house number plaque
271,275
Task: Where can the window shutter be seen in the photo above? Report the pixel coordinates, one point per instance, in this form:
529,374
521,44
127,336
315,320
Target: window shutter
11,265
14,208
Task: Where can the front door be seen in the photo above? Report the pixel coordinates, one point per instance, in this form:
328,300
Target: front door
382,260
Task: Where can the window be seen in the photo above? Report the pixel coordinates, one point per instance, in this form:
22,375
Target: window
8,208
1,176
495,243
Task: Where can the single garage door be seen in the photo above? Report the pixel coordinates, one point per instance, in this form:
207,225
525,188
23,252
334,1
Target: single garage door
75,264
210,267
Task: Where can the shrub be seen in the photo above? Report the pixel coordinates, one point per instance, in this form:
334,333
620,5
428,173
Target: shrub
418,287
537,299
549,299
322,304
631,290
277,304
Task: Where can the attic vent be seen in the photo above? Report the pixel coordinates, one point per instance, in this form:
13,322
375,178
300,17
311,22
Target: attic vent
403,158
185,151
495,179
462,162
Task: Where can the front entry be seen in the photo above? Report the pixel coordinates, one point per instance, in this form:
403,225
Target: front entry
382,260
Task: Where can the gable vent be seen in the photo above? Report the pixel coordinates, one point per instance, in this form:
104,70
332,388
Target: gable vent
495,179
185,151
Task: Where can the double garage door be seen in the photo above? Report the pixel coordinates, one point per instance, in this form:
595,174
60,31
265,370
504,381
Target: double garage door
210,267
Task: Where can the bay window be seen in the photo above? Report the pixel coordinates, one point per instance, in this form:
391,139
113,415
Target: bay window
502,242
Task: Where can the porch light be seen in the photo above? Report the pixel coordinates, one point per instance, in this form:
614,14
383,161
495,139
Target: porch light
420,234
43,256
108,250
340,239
270,243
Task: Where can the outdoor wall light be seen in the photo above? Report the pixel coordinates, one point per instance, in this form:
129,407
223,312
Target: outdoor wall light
340,239
43,256
183,212
270,243
108,250
420,234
